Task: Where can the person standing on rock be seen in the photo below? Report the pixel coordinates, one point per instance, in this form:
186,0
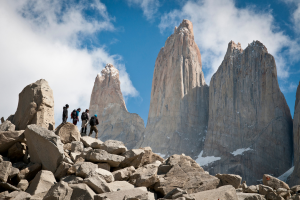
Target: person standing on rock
75,116
65,113
84,118
94,122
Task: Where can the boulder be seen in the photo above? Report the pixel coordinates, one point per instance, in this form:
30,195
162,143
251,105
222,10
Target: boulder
251,189
119,195
139,157
85,169
67,146
30,172
13,172
230,179
72,179
76,146
274,183
106,175
7,126
263,189
123,174
68,132
185,174
119,185
42,182
250,196
174,194
82,192
295,188
102,156
62,170
36,106
225,193
145,176
91,142
5,168
59,191
17,151
40,142
8,138
18,195
96,182
23,185
114,147
105,166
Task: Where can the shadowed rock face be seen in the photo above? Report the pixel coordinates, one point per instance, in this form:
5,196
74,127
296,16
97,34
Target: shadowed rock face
250,125
178,114
115,122
295,177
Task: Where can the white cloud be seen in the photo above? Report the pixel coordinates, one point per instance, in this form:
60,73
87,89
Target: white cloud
217,22
149,7
295,13
41,39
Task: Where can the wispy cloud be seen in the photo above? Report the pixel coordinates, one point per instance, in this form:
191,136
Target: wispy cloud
149,7
42,39
217,22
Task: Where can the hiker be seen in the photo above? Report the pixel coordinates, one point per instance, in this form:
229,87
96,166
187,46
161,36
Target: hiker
94,122
74,115
65,113
84,118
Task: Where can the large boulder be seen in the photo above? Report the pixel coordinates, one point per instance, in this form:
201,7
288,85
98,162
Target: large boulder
274,183
82,192
230,179
97,183
68,132
84,169
42,182
119,185
7,126
62,170
9,138
123,174
186,174
40,142
91,142
106,175
99,156
223,193
114,147
119,195
59,191
145,176
36,106
249,196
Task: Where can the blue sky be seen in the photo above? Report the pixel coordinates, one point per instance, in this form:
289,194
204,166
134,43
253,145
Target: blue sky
69,42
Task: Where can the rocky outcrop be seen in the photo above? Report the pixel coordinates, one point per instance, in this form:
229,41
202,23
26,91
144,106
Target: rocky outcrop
178,114
250,125
295,177
115,122
36,106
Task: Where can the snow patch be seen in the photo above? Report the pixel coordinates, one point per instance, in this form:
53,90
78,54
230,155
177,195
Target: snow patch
285,176
241,151
202,161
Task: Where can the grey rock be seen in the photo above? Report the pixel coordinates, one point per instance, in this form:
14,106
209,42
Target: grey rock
98,184
91,142
106,175
225,193
59,191
30,172
5,168
67,132
119,185
82,192
18,195
85,169
72,179
250,196
76,146
105,166
119,195
23,185
9,138
274,183
145,176
102,156
7,126
123,174
114,147
62,170
41,183
230,179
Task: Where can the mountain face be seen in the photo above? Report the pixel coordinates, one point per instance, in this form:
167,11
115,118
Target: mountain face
250,125
115,122
178,114
295,177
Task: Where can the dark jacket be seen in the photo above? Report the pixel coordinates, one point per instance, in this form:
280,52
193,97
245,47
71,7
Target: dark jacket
65,112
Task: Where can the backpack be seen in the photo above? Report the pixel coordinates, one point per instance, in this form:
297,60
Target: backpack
74,114
84,116
93,121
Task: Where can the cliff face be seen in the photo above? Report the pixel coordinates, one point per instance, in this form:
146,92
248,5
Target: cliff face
295,177
250,125
107,102
178,114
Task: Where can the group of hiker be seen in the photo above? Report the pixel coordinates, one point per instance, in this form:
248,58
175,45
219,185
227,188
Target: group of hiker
85,118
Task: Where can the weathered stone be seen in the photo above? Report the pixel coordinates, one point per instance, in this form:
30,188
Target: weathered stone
271,195
295,188
17,151
106,175
13,172
40,142
9,138
36,106
59,191
91,142
136,197
140,157
18,195
30,172
102,156
114,147
68,132
42,182
185,174
75,155
7,126
263,189
62,170
145,176
230,179
77,146
250,196
7,186
72,179
175,193
67,146
5,168
119,185
119,195
251,189
96,182
248,114
123,174
85,169
82,192
115,122
274,183
105,166
178,113
23,185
